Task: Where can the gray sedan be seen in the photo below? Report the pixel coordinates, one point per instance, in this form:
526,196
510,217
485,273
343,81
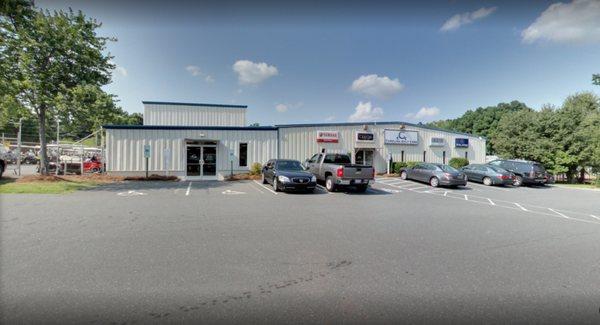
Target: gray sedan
434,174
488,175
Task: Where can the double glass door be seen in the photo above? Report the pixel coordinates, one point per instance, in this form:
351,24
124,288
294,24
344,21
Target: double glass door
364,157
201,161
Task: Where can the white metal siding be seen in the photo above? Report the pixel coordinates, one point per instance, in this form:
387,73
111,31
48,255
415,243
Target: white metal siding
191,115
301,143
125,146
125,149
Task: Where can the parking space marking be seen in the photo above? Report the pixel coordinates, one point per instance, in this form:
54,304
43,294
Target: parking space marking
491,202
256,188
593,216
263,186
466,198
560,214
189,188
520,207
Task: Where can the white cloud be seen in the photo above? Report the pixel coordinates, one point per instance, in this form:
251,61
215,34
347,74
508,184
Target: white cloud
121,70
376,86
365,112
577,21
281,108
424,113
252,73
193,70
458,20
330,118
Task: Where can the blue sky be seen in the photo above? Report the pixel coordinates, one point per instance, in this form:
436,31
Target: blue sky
306,62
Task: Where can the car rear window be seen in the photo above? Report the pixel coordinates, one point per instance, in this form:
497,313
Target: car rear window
336,159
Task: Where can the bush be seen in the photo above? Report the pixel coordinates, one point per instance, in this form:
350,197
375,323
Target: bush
255,169
597,181
396,166
458,162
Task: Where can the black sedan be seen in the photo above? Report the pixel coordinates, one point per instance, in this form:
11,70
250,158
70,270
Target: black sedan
285,174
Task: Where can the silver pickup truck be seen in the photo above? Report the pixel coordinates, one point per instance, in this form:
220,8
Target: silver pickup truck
337,170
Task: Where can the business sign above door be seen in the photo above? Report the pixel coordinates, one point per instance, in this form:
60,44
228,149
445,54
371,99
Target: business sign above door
363,136
328,136
461,143
401,137
437,142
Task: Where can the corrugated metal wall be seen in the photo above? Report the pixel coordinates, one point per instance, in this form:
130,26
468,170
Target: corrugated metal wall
165,114
301,143
125,148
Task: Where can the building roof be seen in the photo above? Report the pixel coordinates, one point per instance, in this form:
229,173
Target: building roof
193,104
423,126
182,127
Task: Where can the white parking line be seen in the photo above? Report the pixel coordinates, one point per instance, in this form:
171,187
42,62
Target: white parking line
560,214
187,193
466,198
521,207
263,186
593,216
491,202
256,188
492,187
445,193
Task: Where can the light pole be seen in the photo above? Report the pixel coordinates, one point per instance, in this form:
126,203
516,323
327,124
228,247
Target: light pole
19,146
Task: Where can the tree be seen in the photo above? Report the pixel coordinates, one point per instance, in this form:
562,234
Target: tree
596,79
482,121
46,58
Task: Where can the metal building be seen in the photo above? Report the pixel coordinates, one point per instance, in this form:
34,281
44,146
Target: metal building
209,141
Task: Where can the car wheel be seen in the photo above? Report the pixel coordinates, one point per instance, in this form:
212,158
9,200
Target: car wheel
403,175
264,180
275,185
95,170
329,184
487,181
518,181
434,182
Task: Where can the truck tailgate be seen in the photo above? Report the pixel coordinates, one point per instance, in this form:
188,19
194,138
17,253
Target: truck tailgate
358,172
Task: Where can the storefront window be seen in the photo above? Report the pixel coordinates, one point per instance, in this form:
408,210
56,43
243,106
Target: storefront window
243,154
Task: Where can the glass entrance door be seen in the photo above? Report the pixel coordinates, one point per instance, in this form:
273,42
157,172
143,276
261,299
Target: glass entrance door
364,157
209,159
201,161
193,161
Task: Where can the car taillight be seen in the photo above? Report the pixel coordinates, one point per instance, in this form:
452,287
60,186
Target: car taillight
340,172
505,177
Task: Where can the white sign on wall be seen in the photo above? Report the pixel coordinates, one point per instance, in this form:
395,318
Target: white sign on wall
401,137
437,142
328,136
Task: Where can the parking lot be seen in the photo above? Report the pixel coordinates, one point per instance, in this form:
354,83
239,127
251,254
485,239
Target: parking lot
187,252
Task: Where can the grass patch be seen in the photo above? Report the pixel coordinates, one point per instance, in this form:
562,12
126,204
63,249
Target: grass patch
586,185
8,186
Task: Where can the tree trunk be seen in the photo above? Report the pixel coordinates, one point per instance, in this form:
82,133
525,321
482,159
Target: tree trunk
582,175
43,151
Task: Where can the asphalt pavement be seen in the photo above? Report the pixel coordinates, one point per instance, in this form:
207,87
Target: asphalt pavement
237,252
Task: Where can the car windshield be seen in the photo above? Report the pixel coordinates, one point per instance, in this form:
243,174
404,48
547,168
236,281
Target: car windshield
447,169
289,165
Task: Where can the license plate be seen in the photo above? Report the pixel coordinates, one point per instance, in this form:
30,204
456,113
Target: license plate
344,182
358,181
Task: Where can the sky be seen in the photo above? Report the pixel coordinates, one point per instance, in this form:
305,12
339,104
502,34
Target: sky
306,62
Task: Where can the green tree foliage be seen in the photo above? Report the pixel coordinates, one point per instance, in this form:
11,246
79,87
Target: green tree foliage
52,65
596,79
481,121
458,162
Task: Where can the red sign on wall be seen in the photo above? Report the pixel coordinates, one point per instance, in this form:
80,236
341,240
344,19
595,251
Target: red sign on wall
328,136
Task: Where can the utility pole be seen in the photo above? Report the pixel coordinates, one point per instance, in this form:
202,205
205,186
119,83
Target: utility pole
57,145
18,146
